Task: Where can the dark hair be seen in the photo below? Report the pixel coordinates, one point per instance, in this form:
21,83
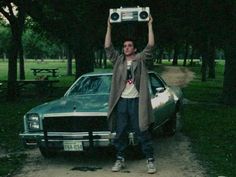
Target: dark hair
130,39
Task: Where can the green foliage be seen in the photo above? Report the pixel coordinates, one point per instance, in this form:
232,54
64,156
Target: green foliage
38,46
4,38
11,113
209,91
11,163
210,125
212,131
11,124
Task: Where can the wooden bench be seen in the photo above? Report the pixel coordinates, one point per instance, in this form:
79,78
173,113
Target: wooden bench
40,85
51,71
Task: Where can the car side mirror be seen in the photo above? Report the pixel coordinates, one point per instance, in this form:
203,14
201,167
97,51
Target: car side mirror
160,90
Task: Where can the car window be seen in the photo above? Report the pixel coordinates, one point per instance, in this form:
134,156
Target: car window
92,85
155,82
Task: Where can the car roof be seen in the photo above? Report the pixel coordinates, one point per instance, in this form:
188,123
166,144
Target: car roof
100,72
97,73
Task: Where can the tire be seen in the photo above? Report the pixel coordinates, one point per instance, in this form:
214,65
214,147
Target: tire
46,152
169,128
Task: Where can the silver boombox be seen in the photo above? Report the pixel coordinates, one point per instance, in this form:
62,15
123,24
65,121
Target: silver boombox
129,14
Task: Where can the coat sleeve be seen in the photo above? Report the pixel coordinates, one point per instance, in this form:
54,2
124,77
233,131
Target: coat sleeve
147,53
111,54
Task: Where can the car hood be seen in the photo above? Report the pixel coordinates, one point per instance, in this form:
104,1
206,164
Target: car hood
81,103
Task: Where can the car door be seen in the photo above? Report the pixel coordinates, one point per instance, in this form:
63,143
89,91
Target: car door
161,99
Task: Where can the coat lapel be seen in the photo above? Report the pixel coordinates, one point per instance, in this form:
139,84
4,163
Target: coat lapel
124,73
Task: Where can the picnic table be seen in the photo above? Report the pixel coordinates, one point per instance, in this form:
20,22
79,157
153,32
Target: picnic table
22,83
51,71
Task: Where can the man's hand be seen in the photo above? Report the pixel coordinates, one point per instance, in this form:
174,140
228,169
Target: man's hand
150,20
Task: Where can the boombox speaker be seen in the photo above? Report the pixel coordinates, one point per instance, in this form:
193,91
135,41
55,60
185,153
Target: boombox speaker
129,14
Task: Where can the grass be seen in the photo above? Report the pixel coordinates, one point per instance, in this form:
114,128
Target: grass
9,164
211,125
11,113
212,131
11,116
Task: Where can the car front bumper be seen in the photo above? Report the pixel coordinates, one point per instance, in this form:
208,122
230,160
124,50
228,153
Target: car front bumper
57,139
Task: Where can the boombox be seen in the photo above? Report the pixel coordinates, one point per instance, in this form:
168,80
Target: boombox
129,14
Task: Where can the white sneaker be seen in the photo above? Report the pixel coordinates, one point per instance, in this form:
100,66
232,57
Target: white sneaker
151,169
119,165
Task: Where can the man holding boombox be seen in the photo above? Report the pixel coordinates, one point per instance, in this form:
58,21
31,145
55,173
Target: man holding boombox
130,108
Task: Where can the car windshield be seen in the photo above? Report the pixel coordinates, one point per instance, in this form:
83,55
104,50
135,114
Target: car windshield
91,85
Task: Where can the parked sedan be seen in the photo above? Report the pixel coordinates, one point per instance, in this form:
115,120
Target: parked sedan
78,120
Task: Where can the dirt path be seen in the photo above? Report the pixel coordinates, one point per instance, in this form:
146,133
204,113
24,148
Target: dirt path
178,76
174,158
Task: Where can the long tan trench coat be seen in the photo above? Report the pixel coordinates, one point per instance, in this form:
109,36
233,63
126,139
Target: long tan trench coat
139,71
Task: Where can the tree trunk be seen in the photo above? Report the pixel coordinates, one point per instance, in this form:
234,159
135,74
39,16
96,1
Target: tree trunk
186,54
204,52
229,86
22,63
20,28
192,57
104,59
96,53
160,56
83,61
204,68
12,69
211,60
69,61
176,53
100,57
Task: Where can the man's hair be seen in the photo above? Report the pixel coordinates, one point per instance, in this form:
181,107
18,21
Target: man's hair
130,39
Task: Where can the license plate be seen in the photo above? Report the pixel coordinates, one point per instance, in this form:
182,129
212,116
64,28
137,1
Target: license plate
73,145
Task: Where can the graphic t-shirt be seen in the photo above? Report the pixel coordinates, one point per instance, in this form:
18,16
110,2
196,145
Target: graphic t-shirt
130,90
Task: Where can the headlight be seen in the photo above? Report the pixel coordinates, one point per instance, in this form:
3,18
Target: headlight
33,117
33,125
33,121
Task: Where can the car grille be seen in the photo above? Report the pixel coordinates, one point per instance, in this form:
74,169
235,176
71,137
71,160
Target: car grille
75,124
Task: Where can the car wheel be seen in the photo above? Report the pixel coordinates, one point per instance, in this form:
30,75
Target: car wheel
169,128
46,152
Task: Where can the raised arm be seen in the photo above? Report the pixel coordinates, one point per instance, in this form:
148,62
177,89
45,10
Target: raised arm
151,41
111,53
147,52
108,35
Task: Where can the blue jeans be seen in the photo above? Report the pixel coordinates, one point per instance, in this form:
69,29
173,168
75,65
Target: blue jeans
127,121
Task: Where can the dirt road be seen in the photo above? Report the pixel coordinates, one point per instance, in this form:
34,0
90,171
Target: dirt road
174,158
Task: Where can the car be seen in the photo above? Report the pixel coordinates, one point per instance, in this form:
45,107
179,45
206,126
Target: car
78,120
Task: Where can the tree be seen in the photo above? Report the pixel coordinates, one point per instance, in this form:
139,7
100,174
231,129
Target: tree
227,32
38,46
8,9
4,39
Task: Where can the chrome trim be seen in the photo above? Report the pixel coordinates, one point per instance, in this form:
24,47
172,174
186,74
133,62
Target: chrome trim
31,144
75,114
95,140
104,140
40,134
66,134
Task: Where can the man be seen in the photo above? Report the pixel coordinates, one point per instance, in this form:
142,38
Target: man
129,103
